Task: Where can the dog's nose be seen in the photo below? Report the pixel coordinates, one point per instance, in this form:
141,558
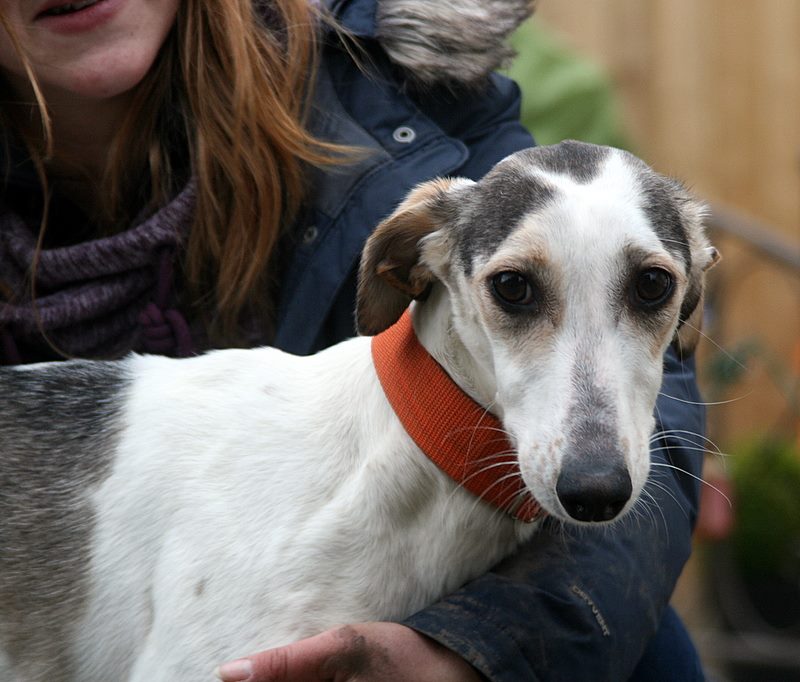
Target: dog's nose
594,495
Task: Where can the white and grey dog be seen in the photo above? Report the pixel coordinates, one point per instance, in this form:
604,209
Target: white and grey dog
159,516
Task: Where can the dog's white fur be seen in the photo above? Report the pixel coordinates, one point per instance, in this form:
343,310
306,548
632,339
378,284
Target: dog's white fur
258,514
254,497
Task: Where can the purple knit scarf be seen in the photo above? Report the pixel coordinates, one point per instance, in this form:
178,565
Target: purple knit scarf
100,298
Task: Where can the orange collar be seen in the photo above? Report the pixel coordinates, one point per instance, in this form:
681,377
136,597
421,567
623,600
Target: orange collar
462,438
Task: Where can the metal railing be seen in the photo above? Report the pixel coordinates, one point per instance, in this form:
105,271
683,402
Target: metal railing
762,238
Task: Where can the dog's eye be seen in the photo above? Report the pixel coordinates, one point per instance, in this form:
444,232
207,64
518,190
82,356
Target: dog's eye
653,287
512,288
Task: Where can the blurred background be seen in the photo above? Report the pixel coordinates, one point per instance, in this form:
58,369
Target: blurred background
708,91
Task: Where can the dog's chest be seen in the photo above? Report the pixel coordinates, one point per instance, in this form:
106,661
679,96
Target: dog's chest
218,585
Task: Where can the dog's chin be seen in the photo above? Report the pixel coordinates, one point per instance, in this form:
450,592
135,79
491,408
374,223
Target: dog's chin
566,519
553,508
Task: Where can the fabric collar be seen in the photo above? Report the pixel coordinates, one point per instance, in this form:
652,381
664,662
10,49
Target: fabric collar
462,438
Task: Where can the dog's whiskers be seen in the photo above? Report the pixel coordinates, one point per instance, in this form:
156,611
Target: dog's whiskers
726,353
503,434
688,448
493,461
648,502
703,402
688,436
658,485
495,458
479,427
503,479
695,477
484,414
489,467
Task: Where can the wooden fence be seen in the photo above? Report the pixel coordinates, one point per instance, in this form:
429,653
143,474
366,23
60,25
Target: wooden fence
710,93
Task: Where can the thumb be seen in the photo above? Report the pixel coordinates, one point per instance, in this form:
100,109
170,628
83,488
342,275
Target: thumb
301,661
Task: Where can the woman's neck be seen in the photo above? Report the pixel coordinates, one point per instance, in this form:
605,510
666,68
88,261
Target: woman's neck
83,132
83,136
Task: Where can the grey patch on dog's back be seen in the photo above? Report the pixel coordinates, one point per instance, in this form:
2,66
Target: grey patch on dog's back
58,427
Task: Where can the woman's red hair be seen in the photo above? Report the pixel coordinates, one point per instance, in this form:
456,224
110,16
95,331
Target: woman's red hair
232,82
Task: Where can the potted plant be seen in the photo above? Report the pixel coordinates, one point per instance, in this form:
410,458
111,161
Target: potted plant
754,570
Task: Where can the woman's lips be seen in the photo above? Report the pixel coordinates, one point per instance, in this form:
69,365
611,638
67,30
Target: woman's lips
78,16
62,8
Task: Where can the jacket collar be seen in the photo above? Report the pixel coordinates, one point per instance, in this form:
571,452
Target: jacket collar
356,16
437,42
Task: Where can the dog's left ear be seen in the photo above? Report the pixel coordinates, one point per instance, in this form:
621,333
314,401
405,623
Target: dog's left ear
392,271
687,335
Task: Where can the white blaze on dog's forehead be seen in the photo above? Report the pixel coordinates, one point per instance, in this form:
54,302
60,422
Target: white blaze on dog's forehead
591,222
578,161
653,208
650,207
524,183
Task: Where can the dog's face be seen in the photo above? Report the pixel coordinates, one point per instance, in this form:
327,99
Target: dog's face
569,270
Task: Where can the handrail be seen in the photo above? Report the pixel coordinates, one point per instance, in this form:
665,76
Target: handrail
764,239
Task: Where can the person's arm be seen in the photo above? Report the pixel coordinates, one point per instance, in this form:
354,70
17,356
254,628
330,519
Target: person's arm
368,652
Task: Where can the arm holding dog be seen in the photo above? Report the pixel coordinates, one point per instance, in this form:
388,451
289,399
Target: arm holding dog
370,652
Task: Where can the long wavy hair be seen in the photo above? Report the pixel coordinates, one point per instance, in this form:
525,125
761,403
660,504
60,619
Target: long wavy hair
230,85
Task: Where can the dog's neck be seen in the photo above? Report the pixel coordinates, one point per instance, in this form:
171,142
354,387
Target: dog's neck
463,438
437,332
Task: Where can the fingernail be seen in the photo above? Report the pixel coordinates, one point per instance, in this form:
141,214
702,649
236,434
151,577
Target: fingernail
235,671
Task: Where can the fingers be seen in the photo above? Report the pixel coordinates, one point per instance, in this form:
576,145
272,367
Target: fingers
301,661
234,671
368,652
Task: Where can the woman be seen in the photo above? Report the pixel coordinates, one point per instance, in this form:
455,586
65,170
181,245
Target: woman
175,181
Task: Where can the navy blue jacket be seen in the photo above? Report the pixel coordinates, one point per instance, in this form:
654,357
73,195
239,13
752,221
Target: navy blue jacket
573,605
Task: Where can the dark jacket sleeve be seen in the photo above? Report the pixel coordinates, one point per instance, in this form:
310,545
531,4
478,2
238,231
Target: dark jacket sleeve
582,604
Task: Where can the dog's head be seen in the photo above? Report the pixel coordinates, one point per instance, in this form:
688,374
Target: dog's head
565,274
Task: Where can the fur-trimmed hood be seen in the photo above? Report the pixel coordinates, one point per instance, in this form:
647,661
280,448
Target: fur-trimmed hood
440,41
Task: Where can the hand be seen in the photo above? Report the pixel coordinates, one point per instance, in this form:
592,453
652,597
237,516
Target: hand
368,652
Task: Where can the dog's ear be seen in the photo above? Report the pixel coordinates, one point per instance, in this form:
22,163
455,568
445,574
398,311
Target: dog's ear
687,335
392,272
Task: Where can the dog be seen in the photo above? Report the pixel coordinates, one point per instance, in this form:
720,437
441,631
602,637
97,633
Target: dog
159,516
